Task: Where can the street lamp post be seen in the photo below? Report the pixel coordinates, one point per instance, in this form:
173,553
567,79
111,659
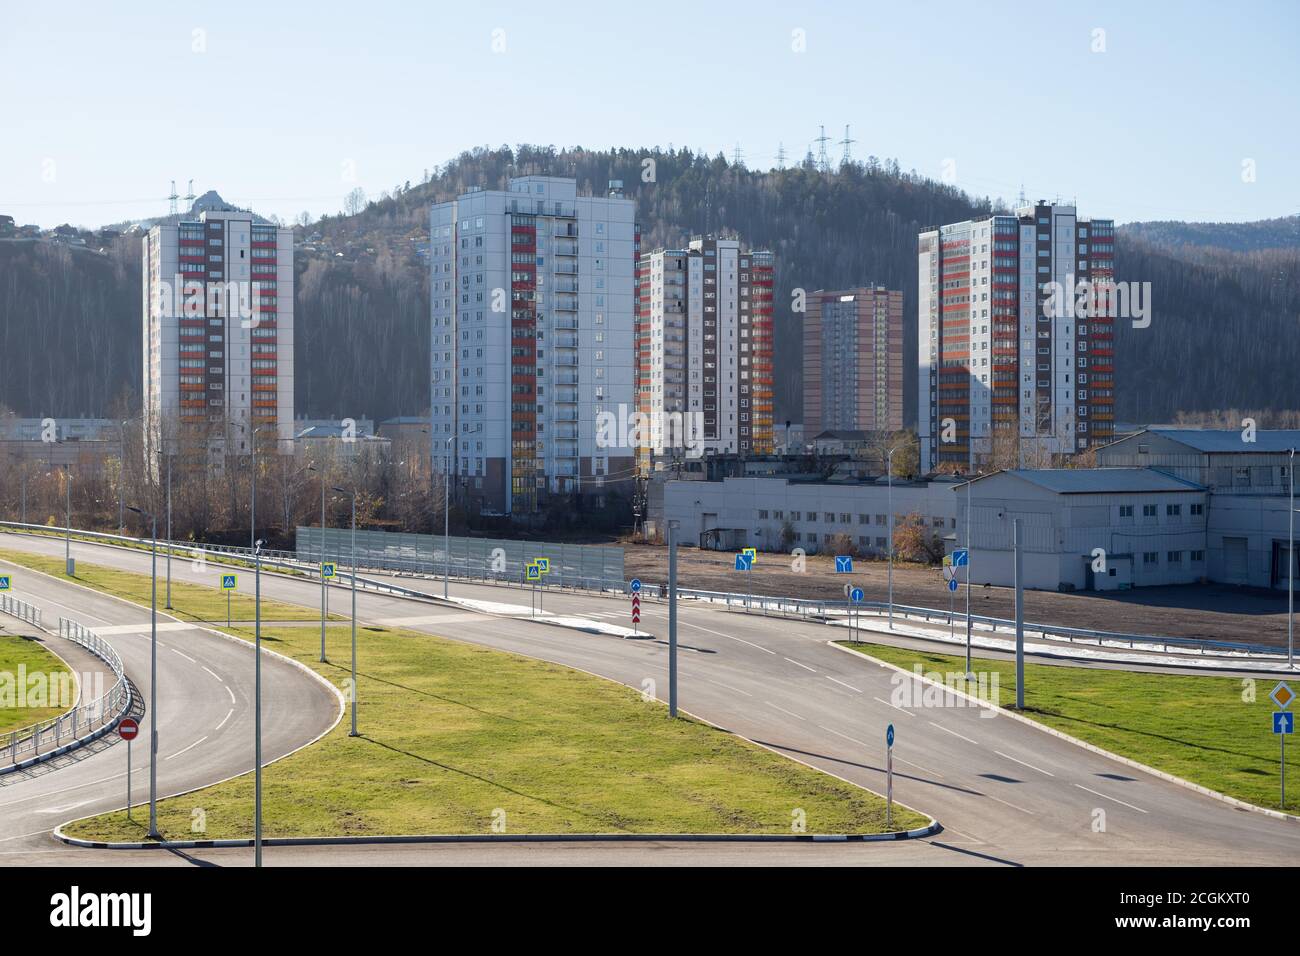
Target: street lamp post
889,469
323,594
446,520
257,707
153,679
169,532
1290,566
969,674
353,731
121,479
67,523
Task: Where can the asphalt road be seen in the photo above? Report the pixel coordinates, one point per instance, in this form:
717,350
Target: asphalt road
1005,792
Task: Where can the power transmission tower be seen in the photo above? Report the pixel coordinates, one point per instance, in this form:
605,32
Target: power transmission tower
846,142
171,198
823,161
737,156
780,156
189,194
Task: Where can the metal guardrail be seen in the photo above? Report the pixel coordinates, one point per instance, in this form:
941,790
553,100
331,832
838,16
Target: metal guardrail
85,719
25,612
804,608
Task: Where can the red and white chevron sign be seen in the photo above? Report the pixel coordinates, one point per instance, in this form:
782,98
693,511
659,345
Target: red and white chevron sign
636,609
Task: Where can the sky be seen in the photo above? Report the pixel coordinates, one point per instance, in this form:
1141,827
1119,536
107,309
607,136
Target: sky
1139,110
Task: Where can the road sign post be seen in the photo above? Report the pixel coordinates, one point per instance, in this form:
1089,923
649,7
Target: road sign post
672,618
855,612
1283,725
127,730
889,776
229,582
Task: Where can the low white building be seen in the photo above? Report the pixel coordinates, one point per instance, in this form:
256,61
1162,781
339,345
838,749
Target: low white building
754,512
1094,529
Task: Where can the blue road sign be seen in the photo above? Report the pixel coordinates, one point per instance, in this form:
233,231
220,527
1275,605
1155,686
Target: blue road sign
635,585
960,558
889,735
856,595
229,582
544,564
843,564
328,569
1283,721
952,585
5,582
534,572
744,562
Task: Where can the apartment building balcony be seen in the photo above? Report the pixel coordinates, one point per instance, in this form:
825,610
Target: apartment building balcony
565,322
565,414
566,285
565,430
566,447
566,268
565,471
567,394
565,302
566,358
565,378
565,341
565,229
565,247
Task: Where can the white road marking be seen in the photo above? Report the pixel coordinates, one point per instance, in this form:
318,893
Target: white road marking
1009,804
61,809
895,706
797,664
232,695
1105,797
224,719
729,637
189,748
212,672
1023,764
845,736
782,709
856,690
144,628
736,690
918,766
186,656
954,733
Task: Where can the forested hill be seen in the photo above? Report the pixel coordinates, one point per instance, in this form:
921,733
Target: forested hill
1223,335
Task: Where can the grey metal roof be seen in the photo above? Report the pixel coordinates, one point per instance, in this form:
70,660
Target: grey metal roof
1229,440
1094,481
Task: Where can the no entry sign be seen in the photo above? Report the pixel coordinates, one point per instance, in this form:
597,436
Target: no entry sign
128,729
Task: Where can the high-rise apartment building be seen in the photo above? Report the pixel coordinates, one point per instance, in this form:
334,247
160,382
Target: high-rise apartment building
532,341
218,334
704,351
1007,377
853,360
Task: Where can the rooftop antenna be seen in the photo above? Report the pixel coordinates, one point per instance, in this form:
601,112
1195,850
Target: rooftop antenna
780,156
171,198
1021,200
846,142
823,161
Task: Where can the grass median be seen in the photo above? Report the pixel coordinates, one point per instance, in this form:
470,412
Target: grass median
31,681
1214,731
461,739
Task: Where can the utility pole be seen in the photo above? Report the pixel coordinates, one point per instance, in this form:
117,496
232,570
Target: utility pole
969,674
1020,615
672,618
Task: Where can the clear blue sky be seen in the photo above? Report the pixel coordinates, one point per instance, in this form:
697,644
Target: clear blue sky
102,105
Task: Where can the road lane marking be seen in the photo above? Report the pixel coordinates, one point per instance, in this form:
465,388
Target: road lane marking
1023,764
895,706
212,672
954,733
918,766
1009,804
783,710
1105,797
232,695
729,637
797,664
727,686
842,684
224,719
186,656
189,748
65,807
845,736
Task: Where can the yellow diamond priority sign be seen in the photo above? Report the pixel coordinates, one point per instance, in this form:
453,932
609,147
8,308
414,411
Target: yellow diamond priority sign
1282,695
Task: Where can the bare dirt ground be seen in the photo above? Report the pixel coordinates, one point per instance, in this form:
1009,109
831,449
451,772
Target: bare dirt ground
1208,612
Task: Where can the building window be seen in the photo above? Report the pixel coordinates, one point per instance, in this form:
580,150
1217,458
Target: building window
1148,511
1173,511
1126,511
1151,557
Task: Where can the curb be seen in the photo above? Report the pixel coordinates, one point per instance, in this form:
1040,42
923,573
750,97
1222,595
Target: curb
1127,761
929,830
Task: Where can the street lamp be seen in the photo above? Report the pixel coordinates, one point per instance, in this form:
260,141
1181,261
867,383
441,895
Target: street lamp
252,481
446,520
1290,566
153,681
889,469
67,523
343,491
323,594
257,707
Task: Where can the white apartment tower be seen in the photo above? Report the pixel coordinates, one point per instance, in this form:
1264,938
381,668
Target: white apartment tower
704,351
532,339
1004,379
218,335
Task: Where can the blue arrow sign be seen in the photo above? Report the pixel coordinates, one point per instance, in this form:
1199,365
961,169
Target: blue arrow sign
843,564
4,582
635,585
856,595
960,558
1283,721
889,735
952,585
744,562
